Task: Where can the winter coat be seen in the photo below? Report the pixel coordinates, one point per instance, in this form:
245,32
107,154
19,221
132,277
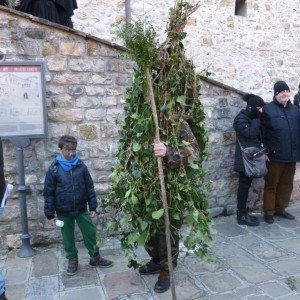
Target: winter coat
248,132
281,131
68,192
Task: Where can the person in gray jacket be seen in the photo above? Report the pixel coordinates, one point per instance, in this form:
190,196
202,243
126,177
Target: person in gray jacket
281,135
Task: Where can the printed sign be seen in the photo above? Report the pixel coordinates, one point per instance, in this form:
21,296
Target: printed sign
22,100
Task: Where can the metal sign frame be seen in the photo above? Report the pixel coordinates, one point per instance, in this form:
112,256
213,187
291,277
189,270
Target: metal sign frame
23,110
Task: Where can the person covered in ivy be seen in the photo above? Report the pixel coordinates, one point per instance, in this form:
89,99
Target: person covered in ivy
156,246
158,184
247,127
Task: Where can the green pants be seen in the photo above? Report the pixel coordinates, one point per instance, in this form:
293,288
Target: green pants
87,229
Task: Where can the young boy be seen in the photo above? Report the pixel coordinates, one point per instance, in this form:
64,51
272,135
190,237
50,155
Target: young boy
68,190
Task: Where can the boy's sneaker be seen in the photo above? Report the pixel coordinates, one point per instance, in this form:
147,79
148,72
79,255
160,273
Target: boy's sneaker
150,268
72,266
98,261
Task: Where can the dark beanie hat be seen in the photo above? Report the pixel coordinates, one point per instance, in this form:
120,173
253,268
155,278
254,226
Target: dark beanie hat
253,100
280,86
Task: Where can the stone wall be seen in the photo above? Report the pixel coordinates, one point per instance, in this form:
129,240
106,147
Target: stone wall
85,84
249,53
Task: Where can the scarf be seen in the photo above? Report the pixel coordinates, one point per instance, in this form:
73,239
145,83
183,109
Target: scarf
67,165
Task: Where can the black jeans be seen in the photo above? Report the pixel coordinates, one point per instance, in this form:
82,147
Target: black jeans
242,193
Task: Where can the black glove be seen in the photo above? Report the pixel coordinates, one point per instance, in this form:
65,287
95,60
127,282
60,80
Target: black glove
253,112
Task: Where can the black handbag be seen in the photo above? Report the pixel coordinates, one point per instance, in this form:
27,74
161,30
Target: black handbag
254,161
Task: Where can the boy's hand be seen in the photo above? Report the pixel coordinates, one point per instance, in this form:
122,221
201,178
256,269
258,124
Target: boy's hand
51,222
92,214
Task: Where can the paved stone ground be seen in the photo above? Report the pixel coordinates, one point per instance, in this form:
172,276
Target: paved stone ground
257,263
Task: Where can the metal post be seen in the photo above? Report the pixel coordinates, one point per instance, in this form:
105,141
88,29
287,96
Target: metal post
127,11
26,249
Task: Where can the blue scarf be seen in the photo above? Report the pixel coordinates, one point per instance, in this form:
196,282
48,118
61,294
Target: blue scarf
67,165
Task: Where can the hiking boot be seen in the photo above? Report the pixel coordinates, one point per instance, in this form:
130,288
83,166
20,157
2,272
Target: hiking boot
246,219
72,266
98,261
2,297
150,268
163,282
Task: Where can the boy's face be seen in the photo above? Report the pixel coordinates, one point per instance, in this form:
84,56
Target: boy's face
68,151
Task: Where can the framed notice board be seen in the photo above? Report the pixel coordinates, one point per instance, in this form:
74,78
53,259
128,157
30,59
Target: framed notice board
22,100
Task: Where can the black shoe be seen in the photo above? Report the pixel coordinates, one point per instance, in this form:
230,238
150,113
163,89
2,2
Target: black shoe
269,219
150,268
285,215
246,219
163,282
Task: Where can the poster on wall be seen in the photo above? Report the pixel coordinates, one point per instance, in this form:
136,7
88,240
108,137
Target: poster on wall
22,100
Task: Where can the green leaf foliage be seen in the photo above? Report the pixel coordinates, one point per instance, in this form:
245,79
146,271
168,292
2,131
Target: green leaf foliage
135,180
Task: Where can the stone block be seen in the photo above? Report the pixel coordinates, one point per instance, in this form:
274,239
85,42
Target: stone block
72,48
88,132
127,283
42,288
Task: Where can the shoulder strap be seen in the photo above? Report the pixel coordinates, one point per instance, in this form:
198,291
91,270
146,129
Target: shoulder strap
240,143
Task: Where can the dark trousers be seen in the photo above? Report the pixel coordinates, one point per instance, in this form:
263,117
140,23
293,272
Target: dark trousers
242,193
278,187
156,246
87,229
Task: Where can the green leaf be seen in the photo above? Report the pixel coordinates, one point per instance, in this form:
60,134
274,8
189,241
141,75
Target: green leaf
195,215
136,147
134,199
144,225
175,216
181,100
132,238
194,166
166,107
127,193
158,214
185,143
135,116
136,174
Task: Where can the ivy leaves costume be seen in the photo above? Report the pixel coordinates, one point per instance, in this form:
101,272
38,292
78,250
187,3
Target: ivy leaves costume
135,196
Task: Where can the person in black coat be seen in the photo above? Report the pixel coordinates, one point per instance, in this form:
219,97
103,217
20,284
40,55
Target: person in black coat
247,127
58,11
281,135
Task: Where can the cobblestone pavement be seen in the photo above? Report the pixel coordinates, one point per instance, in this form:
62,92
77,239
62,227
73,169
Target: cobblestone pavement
256,263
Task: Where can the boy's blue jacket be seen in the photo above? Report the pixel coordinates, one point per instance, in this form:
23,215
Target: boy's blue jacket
68,193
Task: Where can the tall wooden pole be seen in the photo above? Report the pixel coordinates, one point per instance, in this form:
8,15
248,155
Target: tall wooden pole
162,184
